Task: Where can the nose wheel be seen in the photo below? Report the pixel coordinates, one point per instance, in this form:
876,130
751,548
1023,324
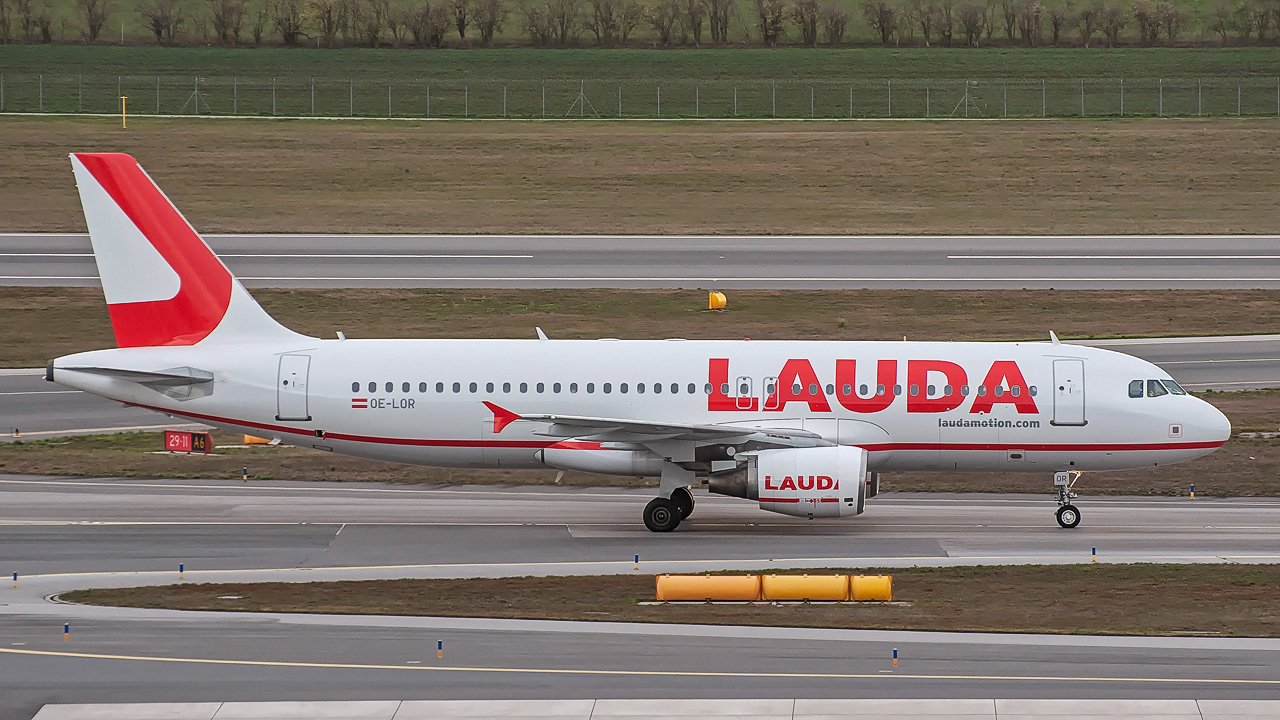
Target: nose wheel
1068,515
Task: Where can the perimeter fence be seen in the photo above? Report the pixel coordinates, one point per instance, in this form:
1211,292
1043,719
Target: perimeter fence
640,99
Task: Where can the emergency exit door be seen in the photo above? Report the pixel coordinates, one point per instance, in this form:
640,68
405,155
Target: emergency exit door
291,388
1068,392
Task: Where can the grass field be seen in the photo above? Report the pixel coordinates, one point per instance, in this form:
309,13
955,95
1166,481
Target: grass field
1244,467
1231,600
842,178
688,64
50,322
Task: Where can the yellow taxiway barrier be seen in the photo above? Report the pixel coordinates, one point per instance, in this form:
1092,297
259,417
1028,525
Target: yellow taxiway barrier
871,588
716,300
831,588
740,588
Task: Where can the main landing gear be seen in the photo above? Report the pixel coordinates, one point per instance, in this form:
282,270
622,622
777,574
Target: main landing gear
663,515
1068,514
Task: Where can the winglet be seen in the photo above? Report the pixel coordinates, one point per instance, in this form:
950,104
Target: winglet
502,417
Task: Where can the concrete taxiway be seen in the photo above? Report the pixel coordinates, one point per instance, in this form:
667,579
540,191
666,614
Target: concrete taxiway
60,534
41,409
550,261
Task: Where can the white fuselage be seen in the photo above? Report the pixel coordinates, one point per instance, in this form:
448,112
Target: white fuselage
1031,407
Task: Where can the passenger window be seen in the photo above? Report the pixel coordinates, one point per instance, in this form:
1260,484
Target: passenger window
847,390
1135,389
506,387
422,387
964,391
373,387
439,387
640,388
1155,389
915,390
813,389
591,387
524,387
831,389
795,389
929,391
555,387
606,388
391,387
897,389
1015,390
540,387
999,391
404,387
675,388
457,387
724,388
879,390
573,387
982,391
693,389
1174,387
473,387
488,387
706,390
355,387
1033,390
947,390
622,388
657,387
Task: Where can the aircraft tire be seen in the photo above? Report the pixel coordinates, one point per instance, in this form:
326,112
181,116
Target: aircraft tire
1068,516
661,515
683,499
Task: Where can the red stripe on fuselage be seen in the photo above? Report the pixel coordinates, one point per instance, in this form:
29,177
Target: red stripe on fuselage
577,445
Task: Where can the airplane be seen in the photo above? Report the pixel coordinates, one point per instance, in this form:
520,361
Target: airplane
803,428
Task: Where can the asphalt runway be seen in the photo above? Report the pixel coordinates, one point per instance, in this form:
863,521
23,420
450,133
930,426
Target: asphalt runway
41,409
724,262
60,534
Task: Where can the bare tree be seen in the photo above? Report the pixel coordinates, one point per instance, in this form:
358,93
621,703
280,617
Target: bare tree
1144,13
1030,17
228,18
1172,19
1059,17
946,22
1264,18
1009,13
163,18
461,16
882,16
1111,21
490,16
664,17
258,24
770,20
835,22
693,14
44,23
805,14
396,24
536,23
924,13
327,17
1087,21
94,13
428,24
288,18
26,18
565,17
718,17
989,22
973,17
6,21
1244,20
371,20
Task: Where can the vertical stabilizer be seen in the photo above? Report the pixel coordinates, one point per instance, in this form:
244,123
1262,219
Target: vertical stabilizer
163,284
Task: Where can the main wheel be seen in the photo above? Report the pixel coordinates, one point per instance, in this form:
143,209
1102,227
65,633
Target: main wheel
661,515
1068,516
683,500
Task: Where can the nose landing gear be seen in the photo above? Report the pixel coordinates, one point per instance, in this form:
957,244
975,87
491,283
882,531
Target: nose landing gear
1068,515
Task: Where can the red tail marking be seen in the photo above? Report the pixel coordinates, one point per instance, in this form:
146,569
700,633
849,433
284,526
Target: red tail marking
205,292
502,417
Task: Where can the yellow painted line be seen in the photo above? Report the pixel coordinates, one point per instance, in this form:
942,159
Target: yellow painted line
633,673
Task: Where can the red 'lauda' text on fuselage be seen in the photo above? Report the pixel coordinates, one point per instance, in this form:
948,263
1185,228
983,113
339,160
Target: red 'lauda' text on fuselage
802,482
797,382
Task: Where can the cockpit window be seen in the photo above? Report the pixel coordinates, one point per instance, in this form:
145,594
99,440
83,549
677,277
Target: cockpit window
1135,389
1174,387
1155,389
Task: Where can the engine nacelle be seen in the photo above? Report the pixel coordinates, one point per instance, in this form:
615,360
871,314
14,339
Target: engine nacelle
603,462
805,482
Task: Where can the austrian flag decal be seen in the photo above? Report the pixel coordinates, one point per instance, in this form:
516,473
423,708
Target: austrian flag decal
359,403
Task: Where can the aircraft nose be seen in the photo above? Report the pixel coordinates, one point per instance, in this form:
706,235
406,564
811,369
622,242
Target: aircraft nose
1214,425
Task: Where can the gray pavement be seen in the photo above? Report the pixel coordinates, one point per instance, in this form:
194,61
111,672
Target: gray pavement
41,409
64,533
61,534
723,262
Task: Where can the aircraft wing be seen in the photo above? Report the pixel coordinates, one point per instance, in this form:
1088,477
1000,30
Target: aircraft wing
628,430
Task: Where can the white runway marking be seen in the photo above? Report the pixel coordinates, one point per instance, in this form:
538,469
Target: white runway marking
44,392
1113,257
342,256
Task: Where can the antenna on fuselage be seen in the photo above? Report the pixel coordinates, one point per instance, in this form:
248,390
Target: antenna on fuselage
1053,338
541,335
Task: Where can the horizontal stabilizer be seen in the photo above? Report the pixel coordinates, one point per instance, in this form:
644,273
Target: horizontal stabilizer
172,377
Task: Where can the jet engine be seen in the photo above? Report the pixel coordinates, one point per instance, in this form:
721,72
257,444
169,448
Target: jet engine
805,482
